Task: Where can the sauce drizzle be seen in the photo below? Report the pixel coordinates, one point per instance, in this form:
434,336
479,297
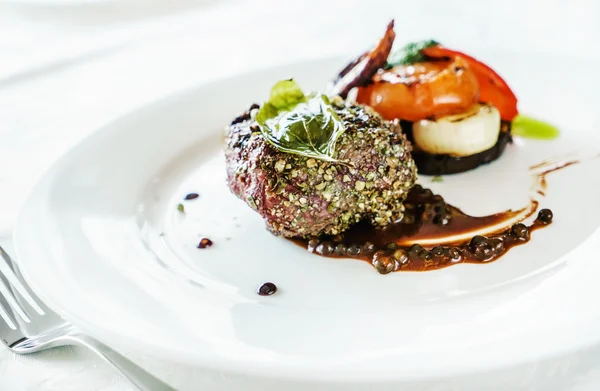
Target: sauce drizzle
434,234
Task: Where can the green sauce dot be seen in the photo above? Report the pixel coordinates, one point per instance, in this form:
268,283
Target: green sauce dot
529,127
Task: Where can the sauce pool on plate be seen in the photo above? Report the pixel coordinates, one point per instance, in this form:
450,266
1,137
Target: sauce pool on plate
432,235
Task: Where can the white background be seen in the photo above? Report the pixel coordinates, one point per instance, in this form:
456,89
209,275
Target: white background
69,66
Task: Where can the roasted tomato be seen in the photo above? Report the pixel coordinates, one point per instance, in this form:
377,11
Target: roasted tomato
422,90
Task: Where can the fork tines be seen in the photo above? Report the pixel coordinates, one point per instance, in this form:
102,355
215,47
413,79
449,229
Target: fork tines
13,294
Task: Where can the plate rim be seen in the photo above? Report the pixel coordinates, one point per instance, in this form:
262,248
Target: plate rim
217,363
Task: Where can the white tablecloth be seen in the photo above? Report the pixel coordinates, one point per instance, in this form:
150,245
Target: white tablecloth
68,66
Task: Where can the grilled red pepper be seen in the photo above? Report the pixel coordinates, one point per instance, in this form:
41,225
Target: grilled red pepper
493,89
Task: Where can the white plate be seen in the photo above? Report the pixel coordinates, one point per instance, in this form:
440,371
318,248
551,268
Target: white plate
101,241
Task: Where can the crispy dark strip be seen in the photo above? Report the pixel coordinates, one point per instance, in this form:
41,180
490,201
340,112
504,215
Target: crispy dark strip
360,71
351,65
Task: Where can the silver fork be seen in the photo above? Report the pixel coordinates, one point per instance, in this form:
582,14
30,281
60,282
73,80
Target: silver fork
29,326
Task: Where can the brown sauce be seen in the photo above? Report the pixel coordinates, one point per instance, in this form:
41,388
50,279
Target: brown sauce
545,168
434,234
429,220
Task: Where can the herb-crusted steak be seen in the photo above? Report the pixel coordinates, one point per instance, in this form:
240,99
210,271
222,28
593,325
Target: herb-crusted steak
301,197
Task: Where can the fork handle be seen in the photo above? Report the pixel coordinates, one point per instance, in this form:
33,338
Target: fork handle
143,380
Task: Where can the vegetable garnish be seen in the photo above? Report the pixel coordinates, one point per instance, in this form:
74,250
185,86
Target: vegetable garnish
298,124
533,128
493,89
409,54
360,71
285,95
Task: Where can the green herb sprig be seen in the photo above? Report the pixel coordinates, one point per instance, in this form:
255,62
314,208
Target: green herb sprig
409,54
298,124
